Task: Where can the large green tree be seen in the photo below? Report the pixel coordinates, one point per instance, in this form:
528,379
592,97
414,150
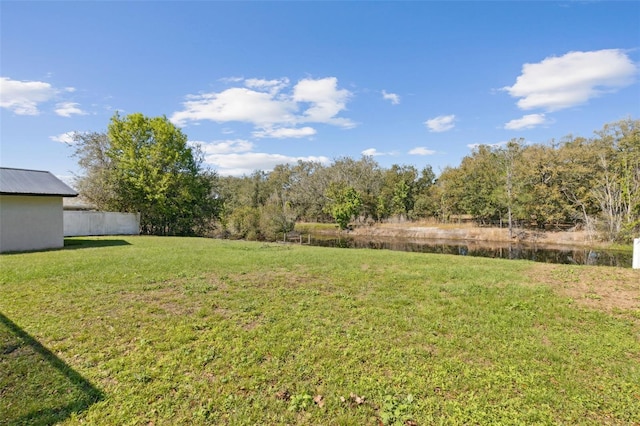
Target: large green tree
144,164
480,185
426,197
344,203
364,176
158,174
541,200
398,192
308,182
577,175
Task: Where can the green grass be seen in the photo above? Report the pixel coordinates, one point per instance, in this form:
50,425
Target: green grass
143,330
625,248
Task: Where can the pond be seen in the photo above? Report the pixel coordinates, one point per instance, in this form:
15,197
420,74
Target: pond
536,253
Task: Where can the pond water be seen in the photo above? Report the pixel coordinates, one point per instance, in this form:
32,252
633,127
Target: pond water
536,253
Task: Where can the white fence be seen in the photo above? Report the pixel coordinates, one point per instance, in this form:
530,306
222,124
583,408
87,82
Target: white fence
79,223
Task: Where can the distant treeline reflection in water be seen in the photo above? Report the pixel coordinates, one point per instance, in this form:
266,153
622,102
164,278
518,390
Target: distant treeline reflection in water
536,253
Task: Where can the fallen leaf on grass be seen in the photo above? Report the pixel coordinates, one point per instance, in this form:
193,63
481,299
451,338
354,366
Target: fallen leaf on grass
353,399
283,395
357,399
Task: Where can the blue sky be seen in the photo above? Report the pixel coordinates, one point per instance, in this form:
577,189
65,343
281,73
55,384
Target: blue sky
265,83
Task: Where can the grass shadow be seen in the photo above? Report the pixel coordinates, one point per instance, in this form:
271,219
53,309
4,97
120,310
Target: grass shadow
37,387
75,244
81,243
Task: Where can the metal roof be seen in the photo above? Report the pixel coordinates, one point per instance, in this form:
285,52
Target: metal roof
32,182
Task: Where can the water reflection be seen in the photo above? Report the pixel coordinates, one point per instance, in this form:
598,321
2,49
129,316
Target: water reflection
536,253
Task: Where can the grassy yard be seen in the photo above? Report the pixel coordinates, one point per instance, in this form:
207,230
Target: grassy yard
155,331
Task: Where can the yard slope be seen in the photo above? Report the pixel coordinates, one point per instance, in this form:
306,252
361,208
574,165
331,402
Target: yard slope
200,331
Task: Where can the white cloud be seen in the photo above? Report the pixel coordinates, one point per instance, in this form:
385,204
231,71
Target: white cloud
224,147
441,123
326,101
528,121
236,104
231,80
236,157
23,97
284,132
67,137
421,150
273,86
246,163
560,82
395,99
267,105
372,152
67,109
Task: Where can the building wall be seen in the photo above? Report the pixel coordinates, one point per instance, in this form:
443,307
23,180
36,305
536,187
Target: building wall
77,223
30,223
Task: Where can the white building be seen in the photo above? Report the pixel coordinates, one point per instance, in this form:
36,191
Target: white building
31,216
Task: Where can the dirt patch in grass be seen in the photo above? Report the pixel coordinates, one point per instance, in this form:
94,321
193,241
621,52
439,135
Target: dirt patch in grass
168,300
278,278
177,296
602,288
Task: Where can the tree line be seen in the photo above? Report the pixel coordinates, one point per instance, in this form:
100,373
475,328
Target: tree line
145,164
